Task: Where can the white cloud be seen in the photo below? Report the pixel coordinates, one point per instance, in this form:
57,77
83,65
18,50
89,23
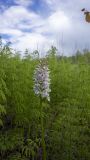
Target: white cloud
3,41
67,4
32,41
17,18
29,30
58,21
11,32
16,15
55,23
24,2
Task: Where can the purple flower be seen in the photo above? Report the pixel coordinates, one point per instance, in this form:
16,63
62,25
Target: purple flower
42,81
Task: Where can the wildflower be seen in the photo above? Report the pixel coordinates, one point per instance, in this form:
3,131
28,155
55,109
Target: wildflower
42,81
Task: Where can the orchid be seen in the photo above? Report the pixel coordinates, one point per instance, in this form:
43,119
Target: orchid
42,81
42,89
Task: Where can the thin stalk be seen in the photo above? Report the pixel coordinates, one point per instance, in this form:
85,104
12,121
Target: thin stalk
42,132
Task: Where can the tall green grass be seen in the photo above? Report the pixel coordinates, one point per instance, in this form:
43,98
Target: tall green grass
66,117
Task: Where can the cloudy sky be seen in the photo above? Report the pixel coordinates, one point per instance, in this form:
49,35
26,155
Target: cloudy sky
38,24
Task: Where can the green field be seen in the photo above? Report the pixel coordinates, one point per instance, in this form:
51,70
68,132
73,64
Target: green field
66,117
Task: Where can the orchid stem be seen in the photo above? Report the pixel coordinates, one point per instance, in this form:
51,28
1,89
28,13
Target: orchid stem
42,132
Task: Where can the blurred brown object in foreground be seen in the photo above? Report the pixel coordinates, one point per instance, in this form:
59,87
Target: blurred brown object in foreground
87,15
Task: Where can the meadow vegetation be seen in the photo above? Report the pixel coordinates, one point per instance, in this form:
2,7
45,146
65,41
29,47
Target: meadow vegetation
66,116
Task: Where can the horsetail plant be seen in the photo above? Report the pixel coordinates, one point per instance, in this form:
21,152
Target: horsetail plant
42,90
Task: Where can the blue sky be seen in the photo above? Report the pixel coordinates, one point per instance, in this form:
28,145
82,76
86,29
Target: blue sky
38,24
